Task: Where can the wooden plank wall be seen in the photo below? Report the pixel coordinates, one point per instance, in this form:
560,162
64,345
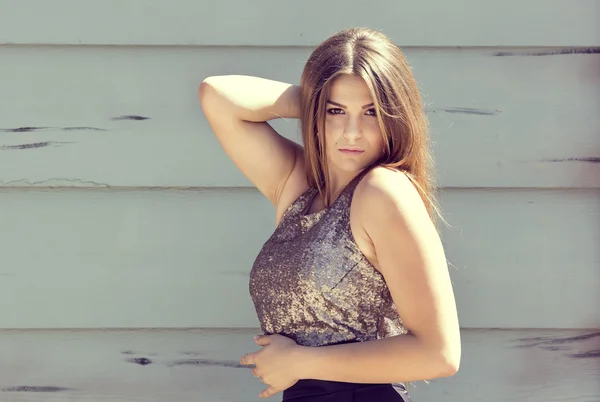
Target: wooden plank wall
127,236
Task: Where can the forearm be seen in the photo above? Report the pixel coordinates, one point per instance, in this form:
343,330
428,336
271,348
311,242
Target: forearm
252,98
395,359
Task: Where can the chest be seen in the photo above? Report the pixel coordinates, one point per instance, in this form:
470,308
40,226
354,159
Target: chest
314,252
357,234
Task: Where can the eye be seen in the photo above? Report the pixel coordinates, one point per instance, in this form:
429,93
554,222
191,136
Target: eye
371,112
335,110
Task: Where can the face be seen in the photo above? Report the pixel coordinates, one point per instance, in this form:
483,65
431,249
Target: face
354,140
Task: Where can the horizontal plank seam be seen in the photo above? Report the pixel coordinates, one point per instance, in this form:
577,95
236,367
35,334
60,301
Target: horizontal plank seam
216,329
406,47
101,187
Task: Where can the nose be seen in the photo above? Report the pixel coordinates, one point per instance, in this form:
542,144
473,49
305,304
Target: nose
352,131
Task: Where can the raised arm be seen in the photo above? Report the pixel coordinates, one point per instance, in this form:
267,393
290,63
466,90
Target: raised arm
237,108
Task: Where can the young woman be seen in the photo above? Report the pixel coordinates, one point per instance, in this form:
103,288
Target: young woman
352,290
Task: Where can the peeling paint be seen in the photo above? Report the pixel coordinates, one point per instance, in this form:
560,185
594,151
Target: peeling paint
33,145
207,362
32,388
555,348
566,344
590,50
83,128
192,353
538,341
587,355
591,159
27,146
23,129
130,117
467,110
48,182
32,129
142,361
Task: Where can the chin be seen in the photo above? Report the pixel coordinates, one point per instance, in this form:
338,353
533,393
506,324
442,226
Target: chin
351,166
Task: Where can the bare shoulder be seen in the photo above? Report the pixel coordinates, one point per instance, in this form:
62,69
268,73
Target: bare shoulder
386,191
388,214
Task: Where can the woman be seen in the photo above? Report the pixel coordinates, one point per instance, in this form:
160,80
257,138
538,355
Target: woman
352,289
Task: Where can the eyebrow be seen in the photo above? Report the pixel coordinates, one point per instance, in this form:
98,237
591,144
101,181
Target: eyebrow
344,106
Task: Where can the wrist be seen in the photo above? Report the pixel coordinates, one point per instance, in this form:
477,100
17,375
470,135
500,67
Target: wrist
302,358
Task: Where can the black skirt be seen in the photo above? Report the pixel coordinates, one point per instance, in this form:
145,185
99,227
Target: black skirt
333,391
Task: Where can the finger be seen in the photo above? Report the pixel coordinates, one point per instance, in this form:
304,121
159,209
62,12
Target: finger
262,340
267,393
256,374
248,359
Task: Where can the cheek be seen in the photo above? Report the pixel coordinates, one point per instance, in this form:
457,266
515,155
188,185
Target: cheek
375,138
333,126
334,130
378,140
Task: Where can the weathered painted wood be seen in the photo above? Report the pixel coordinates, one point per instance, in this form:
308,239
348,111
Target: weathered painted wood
203,365
76,258
127,116
187,22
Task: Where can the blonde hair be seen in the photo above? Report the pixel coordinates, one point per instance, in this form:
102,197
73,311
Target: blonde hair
381,64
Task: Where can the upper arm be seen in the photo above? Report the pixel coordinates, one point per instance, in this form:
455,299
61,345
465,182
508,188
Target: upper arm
410,256
266,158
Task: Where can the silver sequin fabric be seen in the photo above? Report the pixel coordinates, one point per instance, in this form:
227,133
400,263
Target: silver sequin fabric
310,281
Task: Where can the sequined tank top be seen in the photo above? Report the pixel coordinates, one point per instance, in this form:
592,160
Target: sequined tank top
310,281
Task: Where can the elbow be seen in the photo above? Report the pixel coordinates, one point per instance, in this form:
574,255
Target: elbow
448,362
203,91
208,96
442,369
448,369
443,359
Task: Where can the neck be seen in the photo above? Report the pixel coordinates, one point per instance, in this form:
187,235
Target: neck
338,180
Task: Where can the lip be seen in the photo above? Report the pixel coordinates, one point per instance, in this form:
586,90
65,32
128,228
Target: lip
352,150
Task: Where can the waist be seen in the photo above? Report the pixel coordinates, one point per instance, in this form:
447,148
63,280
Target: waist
313,388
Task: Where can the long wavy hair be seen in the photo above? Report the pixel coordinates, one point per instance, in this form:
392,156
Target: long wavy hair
374,57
